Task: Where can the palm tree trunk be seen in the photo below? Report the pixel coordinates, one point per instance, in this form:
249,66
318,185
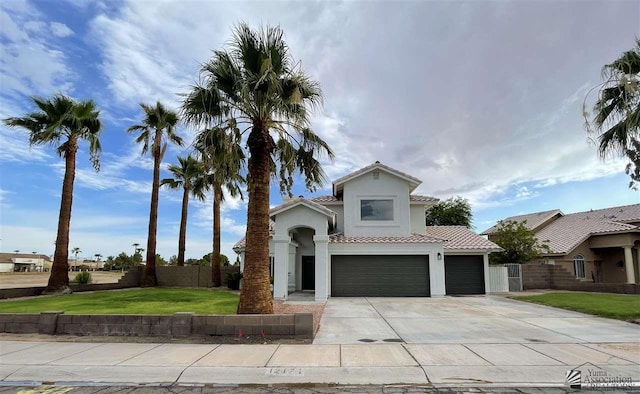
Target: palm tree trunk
183,227
150,278
59,278
215,256
255,296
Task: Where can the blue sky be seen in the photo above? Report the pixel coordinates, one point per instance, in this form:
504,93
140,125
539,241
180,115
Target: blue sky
478,99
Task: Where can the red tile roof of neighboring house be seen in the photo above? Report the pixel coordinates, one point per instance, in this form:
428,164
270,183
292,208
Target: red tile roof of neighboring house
461,238
340,238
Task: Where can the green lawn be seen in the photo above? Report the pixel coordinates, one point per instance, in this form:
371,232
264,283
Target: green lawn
615,306
153,301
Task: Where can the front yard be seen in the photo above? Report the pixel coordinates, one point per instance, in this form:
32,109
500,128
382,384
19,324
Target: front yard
615,306
152,301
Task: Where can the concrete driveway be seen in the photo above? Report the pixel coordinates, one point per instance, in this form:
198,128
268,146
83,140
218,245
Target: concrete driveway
463,320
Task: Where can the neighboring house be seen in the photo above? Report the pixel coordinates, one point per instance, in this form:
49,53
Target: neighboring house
600,246
24,262
369,238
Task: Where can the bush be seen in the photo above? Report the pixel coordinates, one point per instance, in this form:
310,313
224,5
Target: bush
233,280
83,278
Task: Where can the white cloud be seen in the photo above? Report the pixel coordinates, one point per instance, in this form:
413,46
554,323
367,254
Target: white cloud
31,65
60,29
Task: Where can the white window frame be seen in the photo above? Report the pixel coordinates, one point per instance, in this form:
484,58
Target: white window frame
578,266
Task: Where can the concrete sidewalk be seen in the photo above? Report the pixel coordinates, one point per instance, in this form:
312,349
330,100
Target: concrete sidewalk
437,364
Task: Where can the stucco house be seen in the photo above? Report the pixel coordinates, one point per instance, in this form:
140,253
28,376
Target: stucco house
369,238
601,246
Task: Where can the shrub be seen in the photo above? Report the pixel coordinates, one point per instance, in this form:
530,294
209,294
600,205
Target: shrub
83,278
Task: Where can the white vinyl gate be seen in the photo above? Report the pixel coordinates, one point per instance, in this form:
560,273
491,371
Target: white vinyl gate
498,279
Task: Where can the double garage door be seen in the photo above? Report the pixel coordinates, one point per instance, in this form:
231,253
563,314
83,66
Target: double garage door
380,276
402,276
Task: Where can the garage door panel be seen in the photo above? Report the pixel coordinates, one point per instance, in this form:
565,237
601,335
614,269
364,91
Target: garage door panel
464,275
380,276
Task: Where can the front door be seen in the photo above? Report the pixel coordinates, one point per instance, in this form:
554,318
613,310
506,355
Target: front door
308,272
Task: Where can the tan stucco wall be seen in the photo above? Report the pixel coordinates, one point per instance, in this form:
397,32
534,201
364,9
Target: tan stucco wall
613,240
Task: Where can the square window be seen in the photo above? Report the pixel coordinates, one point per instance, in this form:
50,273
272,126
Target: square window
376,209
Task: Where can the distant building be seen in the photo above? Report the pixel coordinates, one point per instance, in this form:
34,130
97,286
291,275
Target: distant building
24,262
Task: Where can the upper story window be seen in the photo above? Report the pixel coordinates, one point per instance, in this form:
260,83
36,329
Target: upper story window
376,209
578,266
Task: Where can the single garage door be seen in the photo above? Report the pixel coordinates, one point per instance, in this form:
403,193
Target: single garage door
464,274
380,276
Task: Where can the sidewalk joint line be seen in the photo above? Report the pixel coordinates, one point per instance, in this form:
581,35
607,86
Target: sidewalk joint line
546,355
73,354
472,351
602,351
35,344
140,354
272,354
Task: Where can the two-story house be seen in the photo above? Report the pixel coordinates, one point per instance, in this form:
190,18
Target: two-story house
369,238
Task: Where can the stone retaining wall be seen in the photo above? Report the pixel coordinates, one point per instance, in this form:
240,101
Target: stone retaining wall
180,324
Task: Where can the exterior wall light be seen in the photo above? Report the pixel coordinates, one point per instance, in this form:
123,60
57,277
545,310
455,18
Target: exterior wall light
439,256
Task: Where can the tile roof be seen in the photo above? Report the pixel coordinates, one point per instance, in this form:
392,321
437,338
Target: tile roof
321,199
567,232
340,238
241,244
533,220
370,167
297,200
412,197
460,237
421,198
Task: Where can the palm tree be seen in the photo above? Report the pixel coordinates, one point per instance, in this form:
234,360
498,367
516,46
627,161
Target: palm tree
76,251
16,251
616,120
185,176
223,157
156,130
63,122
255,83
98,256
135,247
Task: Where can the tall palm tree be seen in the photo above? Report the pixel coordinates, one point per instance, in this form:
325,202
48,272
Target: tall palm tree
256,84
223,157
616,121
98,256
63,122
185,176
156,131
